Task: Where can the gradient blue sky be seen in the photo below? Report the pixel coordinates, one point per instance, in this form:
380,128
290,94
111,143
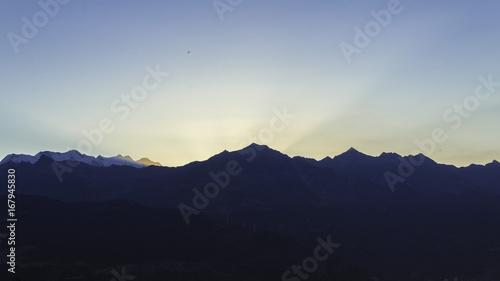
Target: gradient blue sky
263,55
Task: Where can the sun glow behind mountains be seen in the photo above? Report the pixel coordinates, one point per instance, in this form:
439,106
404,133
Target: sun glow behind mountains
227,77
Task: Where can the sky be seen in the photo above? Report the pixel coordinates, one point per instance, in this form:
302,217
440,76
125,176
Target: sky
178,81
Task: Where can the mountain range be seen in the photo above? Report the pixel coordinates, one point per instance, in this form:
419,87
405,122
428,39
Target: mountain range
386,172
252,214
75,156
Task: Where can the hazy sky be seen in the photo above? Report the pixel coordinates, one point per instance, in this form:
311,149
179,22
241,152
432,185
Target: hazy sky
232,66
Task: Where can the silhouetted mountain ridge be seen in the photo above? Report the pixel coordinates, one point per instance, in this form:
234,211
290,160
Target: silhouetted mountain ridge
263,210
268,176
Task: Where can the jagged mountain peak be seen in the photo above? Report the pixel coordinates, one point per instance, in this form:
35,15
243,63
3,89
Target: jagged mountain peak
259,146
261,150
352,153
126,157
494,163
352,150
389,155
147,162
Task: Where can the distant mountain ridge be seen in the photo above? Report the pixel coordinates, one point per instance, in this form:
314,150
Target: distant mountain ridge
268,176
75,156
351,157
